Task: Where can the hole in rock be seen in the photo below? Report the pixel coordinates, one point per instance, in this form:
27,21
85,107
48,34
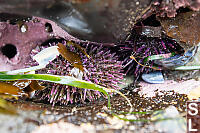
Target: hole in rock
48,27
9,50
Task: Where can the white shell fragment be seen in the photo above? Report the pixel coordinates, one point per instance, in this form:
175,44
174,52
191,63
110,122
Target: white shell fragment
46,55
43,58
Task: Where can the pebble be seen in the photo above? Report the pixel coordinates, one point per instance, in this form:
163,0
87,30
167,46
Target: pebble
153,78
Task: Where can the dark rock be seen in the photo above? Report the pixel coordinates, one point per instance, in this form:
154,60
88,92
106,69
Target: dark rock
169,7
94,20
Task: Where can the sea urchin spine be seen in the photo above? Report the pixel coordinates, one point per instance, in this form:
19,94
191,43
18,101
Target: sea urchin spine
140,47
102,68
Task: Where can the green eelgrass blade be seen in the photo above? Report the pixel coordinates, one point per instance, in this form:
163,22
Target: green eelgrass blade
66,80
196,67
3,72
131,120
144,113
71,81
159,56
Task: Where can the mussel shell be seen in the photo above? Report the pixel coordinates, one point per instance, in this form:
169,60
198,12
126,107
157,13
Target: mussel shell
177,60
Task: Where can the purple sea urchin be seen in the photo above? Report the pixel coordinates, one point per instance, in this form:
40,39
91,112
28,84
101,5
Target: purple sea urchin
102,68
141,46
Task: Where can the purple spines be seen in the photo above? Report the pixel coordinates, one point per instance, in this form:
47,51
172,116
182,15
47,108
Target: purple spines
156,51
102,68
171,45
141,47
147,52
163,44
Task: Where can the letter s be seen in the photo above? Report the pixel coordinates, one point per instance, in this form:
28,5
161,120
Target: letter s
194,107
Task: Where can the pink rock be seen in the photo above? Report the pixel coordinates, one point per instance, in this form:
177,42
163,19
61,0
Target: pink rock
16,42
182,87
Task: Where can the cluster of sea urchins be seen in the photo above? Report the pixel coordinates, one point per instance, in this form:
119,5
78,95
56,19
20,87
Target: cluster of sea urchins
102,68
140,47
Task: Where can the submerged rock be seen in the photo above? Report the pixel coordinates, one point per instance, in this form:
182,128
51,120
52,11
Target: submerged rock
181,87
185,28
175,123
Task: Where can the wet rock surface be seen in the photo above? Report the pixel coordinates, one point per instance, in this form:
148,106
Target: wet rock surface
92,117
88,20
19,35
95,116
183,28
170,8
